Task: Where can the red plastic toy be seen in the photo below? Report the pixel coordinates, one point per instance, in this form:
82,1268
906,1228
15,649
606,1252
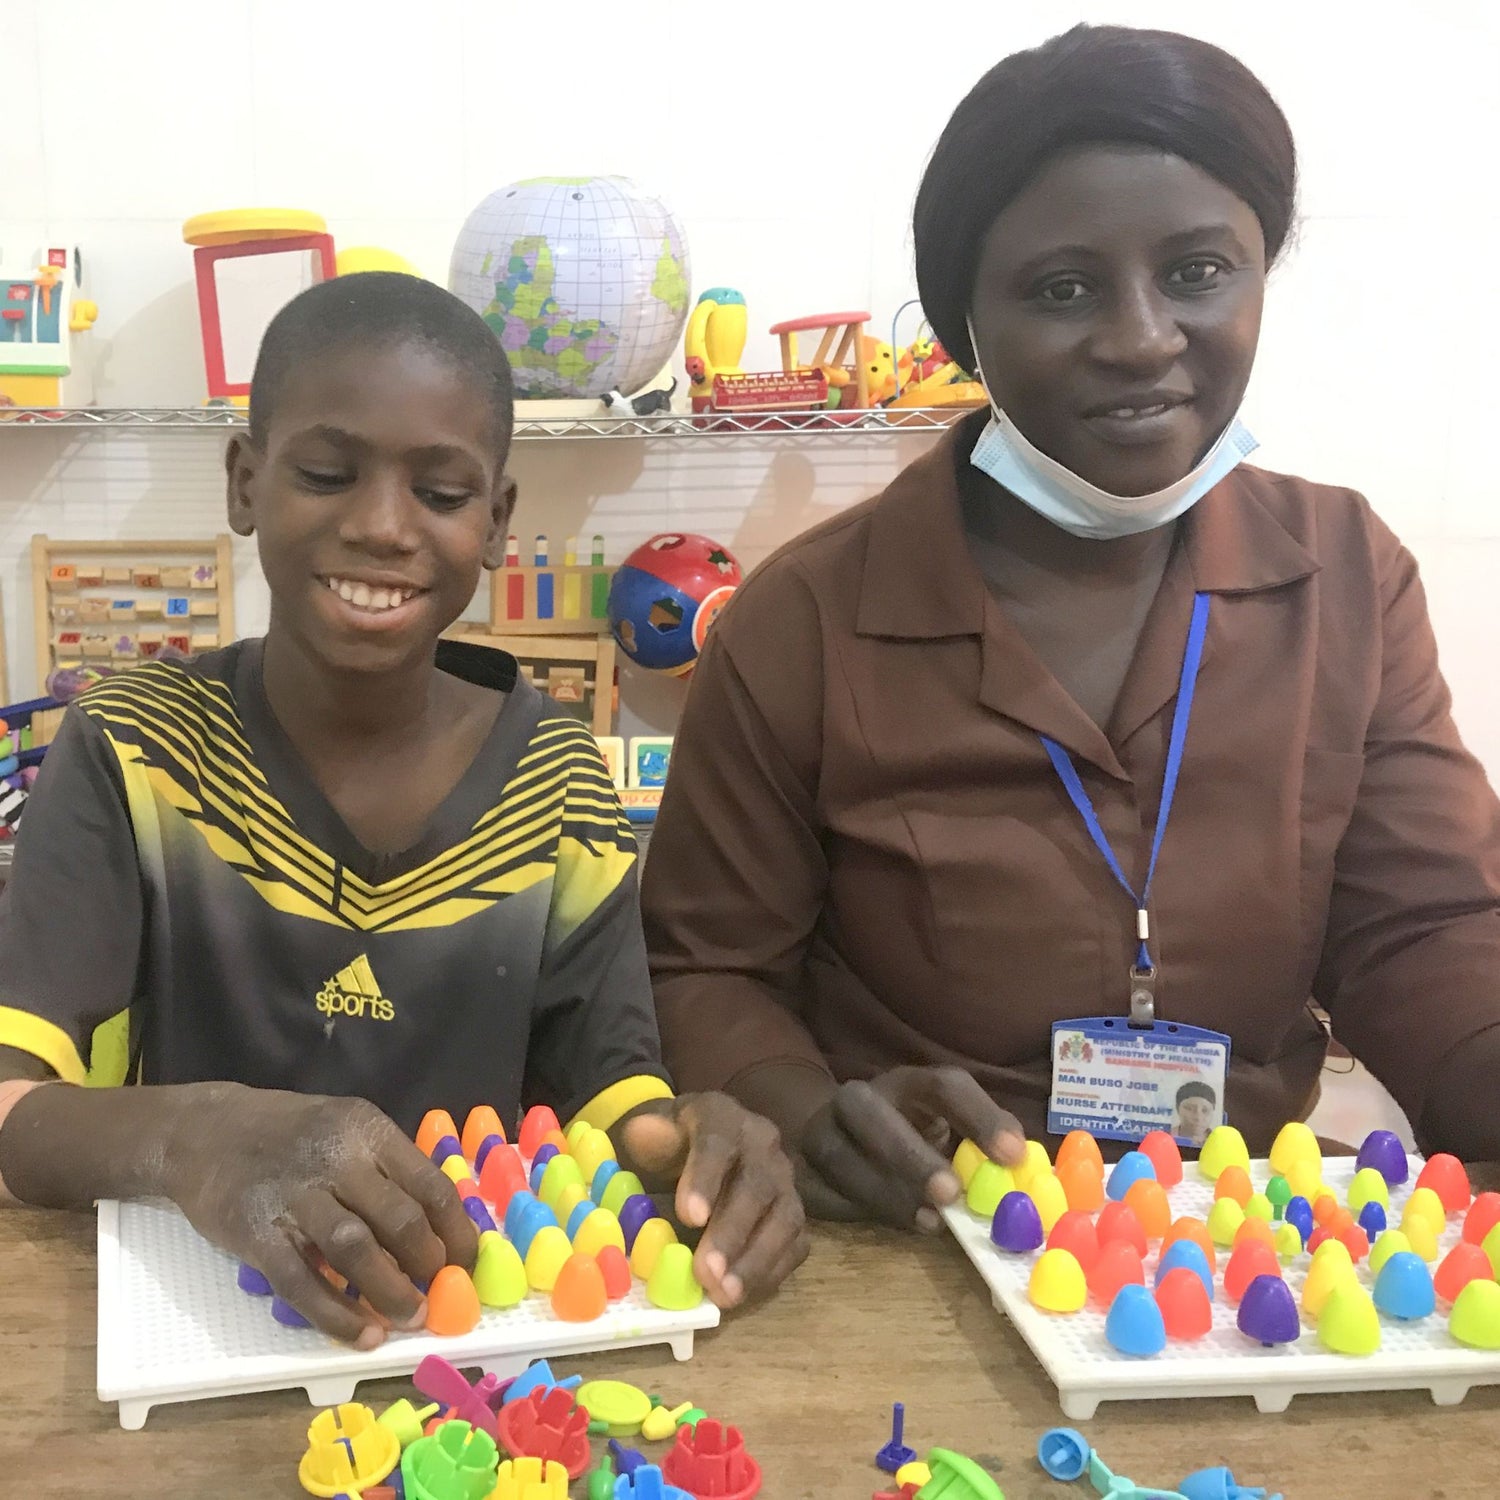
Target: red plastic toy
549,1425
616,1271
1462,1264
1185,1309
502,1178
1075,1233
709,1461
1482,1218
1445,1175
1252,1259
534,1128
1119,1264
1117,1221
1165,1157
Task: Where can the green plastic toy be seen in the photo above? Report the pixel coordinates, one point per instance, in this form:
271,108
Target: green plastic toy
955,1477
455,1463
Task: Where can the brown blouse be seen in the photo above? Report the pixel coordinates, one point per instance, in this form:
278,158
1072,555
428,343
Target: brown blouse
864,857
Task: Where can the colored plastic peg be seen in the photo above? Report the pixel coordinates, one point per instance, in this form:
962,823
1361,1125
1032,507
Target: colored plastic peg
1133,1167
1446,1176
955,1477
895,1453
250,1280
1219,1484
530,1479
482,1155
1134,1325
501,1177
1268,1312
538,1377
347,1449
473,1404
602,1480
287,1315
627,1460
452,1303
661,1423
436,1123
482,1123
538,1122
647,1483
1165,1157
621,1407
1384,1151
445,1148
710,1462
550,1425
403,1419
1064,1453
457,1462
499,1273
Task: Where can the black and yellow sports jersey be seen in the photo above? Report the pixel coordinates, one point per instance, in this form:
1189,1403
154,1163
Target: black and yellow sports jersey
187,905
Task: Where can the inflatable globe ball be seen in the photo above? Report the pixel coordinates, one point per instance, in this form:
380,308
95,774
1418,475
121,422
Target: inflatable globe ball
665,596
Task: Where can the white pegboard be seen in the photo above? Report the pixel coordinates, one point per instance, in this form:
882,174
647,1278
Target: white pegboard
1086,1370
174,1326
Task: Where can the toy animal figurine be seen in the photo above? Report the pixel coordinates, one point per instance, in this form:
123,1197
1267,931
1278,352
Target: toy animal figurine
648,403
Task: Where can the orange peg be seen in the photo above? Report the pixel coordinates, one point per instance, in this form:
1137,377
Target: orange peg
436,1123
1079,1145
482,1121
1254,1229
1148,1198
452,1302
1234,1182
579,1294
1189,1228
1082,1183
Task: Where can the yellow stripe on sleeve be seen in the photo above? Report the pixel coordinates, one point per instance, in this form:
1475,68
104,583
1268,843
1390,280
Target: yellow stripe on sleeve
606,1107
28,1033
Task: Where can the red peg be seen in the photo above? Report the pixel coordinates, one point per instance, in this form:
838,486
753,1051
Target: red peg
1117,1221
616,1271
1464,1263
1119,1264
1185,1308
534,1128
1075,1233
502,1178
1252,1259
1165,1157
1445,1175
1482,1218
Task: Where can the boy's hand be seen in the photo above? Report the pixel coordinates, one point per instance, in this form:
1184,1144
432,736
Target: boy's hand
868,1152
286,1180
734,1178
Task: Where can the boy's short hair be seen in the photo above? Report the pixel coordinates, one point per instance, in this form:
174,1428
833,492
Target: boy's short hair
1195,1090
380,307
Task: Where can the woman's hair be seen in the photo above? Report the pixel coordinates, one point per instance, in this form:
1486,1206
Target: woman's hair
1196,1090
1093,85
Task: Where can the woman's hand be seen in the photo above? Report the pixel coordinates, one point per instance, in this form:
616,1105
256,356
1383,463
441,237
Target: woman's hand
287,1181
868,1152
732,1177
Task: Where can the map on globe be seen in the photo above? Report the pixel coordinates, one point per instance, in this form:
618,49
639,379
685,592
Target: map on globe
585,281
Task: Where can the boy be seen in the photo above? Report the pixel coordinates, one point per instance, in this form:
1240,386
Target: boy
307,887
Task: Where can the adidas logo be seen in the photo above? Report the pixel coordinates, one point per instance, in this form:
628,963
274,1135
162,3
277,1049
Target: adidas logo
354,991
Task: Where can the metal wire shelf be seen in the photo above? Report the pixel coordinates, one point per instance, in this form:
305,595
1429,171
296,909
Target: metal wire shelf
658,425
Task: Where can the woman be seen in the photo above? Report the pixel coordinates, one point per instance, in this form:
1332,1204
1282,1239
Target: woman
875,884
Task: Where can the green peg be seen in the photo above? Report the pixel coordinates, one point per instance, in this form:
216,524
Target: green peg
1279,1192
602,1480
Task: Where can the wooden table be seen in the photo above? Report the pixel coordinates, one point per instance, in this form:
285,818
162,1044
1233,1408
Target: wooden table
873,1317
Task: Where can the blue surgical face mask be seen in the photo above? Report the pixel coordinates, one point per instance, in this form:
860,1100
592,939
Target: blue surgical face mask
1071,502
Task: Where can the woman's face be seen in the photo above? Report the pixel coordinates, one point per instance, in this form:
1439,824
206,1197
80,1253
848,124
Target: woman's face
1116,311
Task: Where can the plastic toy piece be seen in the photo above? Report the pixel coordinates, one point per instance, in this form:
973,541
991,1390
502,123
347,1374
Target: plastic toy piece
1225,1147
634,1212
914,1475
1057,1283
482,1152
591,1151
458,1462
1196,1231
1079,1145
1404,1288
452,1303
988,1185
530,1479
1188,1254
1164,1156
579,1294
444,1147
526,1217
1219,1484
599,1229
1299,1212
1252,1259
1065,1454
1132,1167
647,1483
1075,1233
955,1477
1424,1203
1082,1184
1372,1221
548,1425
1017,1225
248,1279
1278,1195
545,1153
1288,1244
1233,1182
1384,1152
1051,1199
501,1177
479,1214
481,1121
454,1168
473,1404
346,1450
653,1234
672,1283
602,1480
621,1407
1446,1176
538,1377
499,1273
1295,1142
966,1160
549,1252
1306,1180
627,1460
1254,1229
1147,1200
615,1270
1186,1312
1368,1187
661,1423
538,1122
1483,1215
1325,1206
1349,1323
896,1455
1268,1312
1134,1325
1475,1319
1033,1161
1330,1266
436,1123
405,1421
1259,1207
577,1214
1424,1239
600,1180
710,1462
1224,1221
1462,1264
622,1185
1119,1264
1117,1221
560,1172
575,1133
287,1315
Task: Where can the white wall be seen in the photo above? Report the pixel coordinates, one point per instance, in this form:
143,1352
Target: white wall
1378,367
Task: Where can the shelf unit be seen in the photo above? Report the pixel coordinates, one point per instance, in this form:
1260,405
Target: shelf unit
659,425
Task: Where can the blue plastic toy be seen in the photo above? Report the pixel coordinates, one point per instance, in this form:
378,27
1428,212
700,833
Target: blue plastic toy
538,1377
1065,1454
602,1174
1299,1212
645,1482
1404,1288
627,1460
1134,1325
1371,1220
896,1454
581,1211
1133,1167
1189,1255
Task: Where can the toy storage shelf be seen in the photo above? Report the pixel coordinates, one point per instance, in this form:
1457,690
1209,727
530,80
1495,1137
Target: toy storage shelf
660,425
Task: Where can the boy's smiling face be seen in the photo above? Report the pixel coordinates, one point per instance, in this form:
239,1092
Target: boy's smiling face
378,497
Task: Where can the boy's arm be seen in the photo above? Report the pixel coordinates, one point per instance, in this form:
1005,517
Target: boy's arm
594,1054
279,1180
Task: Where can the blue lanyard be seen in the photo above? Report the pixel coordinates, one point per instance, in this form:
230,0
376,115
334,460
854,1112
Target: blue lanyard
1063,764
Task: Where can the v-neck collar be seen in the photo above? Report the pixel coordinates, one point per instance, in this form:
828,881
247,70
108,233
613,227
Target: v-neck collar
474,794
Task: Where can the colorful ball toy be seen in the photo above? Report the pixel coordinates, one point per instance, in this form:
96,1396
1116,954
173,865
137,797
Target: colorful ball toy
665,596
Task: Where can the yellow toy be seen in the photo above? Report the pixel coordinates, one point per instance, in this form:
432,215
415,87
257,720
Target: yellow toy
714,342
42,305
